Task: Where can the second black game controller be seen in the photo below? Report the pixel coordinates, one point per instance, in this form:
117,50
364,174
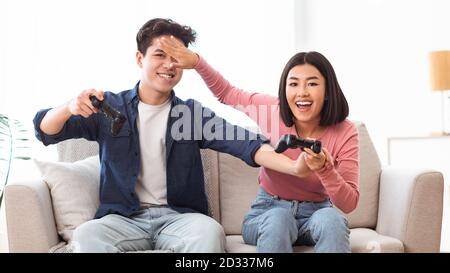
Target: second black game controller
291,141
117,118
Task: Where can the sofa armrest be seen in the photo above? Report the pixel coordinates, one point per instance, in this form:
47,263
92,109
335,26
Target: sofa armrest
29,216
410,207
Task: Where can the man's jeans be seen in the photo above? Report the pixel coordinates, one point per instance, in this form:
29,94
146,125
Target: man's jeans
154,228
275,225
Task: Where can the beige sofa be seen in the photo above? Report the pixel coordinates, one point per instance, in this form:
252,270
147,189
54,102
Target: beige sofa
400,210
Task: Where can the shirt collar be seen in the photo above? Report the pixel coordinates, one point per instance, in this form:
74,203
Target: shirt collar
133,95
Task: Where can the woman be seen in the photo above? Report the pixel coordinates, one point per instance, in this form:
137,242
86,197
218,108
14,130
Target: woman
290,210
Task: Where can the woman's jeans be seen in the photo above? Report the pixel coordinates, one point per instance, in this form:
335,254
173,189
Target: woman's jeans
275,225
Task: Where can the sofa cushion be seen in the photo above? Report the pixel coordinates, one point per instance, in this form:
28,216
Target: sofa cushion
74,189
235,244
362,240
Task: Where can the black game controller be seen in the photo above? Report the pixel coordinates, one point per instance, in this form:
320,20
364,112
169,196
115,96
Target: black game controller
291,141
117,118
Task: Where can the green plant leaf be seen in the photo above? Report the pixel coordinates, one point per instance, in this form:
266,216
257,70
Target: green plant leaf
22,157
11,130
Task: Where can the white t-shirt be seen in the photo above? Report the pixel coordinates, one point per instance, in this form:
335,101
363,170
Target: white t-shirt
151,122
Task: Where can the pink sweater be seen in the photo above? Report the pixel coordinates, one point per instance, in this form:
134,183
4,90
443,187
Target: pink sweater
339,181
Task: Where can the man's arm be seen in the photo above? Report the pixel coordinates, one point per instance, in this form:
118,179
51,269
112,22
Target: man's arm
267,157
54,120
221,136
71,120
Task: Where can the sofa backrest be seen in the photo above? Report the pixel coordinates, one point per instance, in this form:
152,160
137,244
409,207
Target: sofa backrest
231,185
76,149
238,186
366,213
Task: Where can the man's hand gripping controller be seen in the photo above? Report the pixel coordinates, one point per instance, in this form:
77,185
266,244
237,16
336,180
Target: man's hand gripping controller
117,118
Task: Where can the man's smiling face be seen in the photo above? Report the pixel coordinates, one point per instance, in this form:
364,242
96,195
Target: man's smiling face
156,71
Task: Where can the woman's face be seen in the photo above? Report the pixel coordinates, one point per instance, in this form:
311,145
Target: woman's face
305,93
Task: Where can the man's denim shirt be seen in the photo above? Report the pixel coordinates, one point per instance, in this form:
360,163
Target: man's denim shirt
190,128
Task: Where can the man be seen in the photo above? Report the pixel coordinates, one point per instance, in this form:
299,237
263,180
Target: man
152,193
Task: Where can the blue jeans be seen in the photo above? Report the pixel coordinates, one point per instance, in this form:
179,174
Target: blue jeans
155,228
276,225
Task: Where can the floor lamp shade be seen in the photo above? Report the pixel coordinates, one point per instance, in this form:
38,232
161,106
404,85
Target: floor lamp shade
440,81
440,70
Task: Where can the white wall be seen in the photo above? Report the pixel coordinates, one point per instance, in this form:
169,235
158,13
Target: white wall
55,49
3,28
379,49
52,50
247,41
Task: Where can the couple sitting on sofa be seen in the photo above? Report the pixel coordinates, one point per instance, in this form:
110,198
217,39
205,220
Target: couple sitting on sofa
152,193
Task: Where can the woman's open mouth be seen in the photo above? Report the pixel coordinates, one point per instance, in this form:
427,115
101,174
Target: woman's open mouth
304,106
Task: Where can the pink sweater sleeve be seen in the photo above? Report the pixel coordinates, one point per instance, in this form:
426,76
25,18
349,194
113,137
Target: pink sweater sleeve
341,179
229,94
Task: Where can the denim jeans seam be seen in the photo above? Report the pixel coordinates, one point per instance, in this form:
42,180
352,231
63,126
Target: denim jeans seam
147,237
258,220
155,238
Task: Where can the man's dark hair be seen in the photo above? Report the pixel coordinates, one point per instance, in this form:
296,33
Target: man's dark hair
159,26
335,108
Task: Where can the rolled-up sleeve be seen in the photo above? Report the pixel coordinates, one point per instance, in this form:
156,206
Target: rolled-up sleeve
75,127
